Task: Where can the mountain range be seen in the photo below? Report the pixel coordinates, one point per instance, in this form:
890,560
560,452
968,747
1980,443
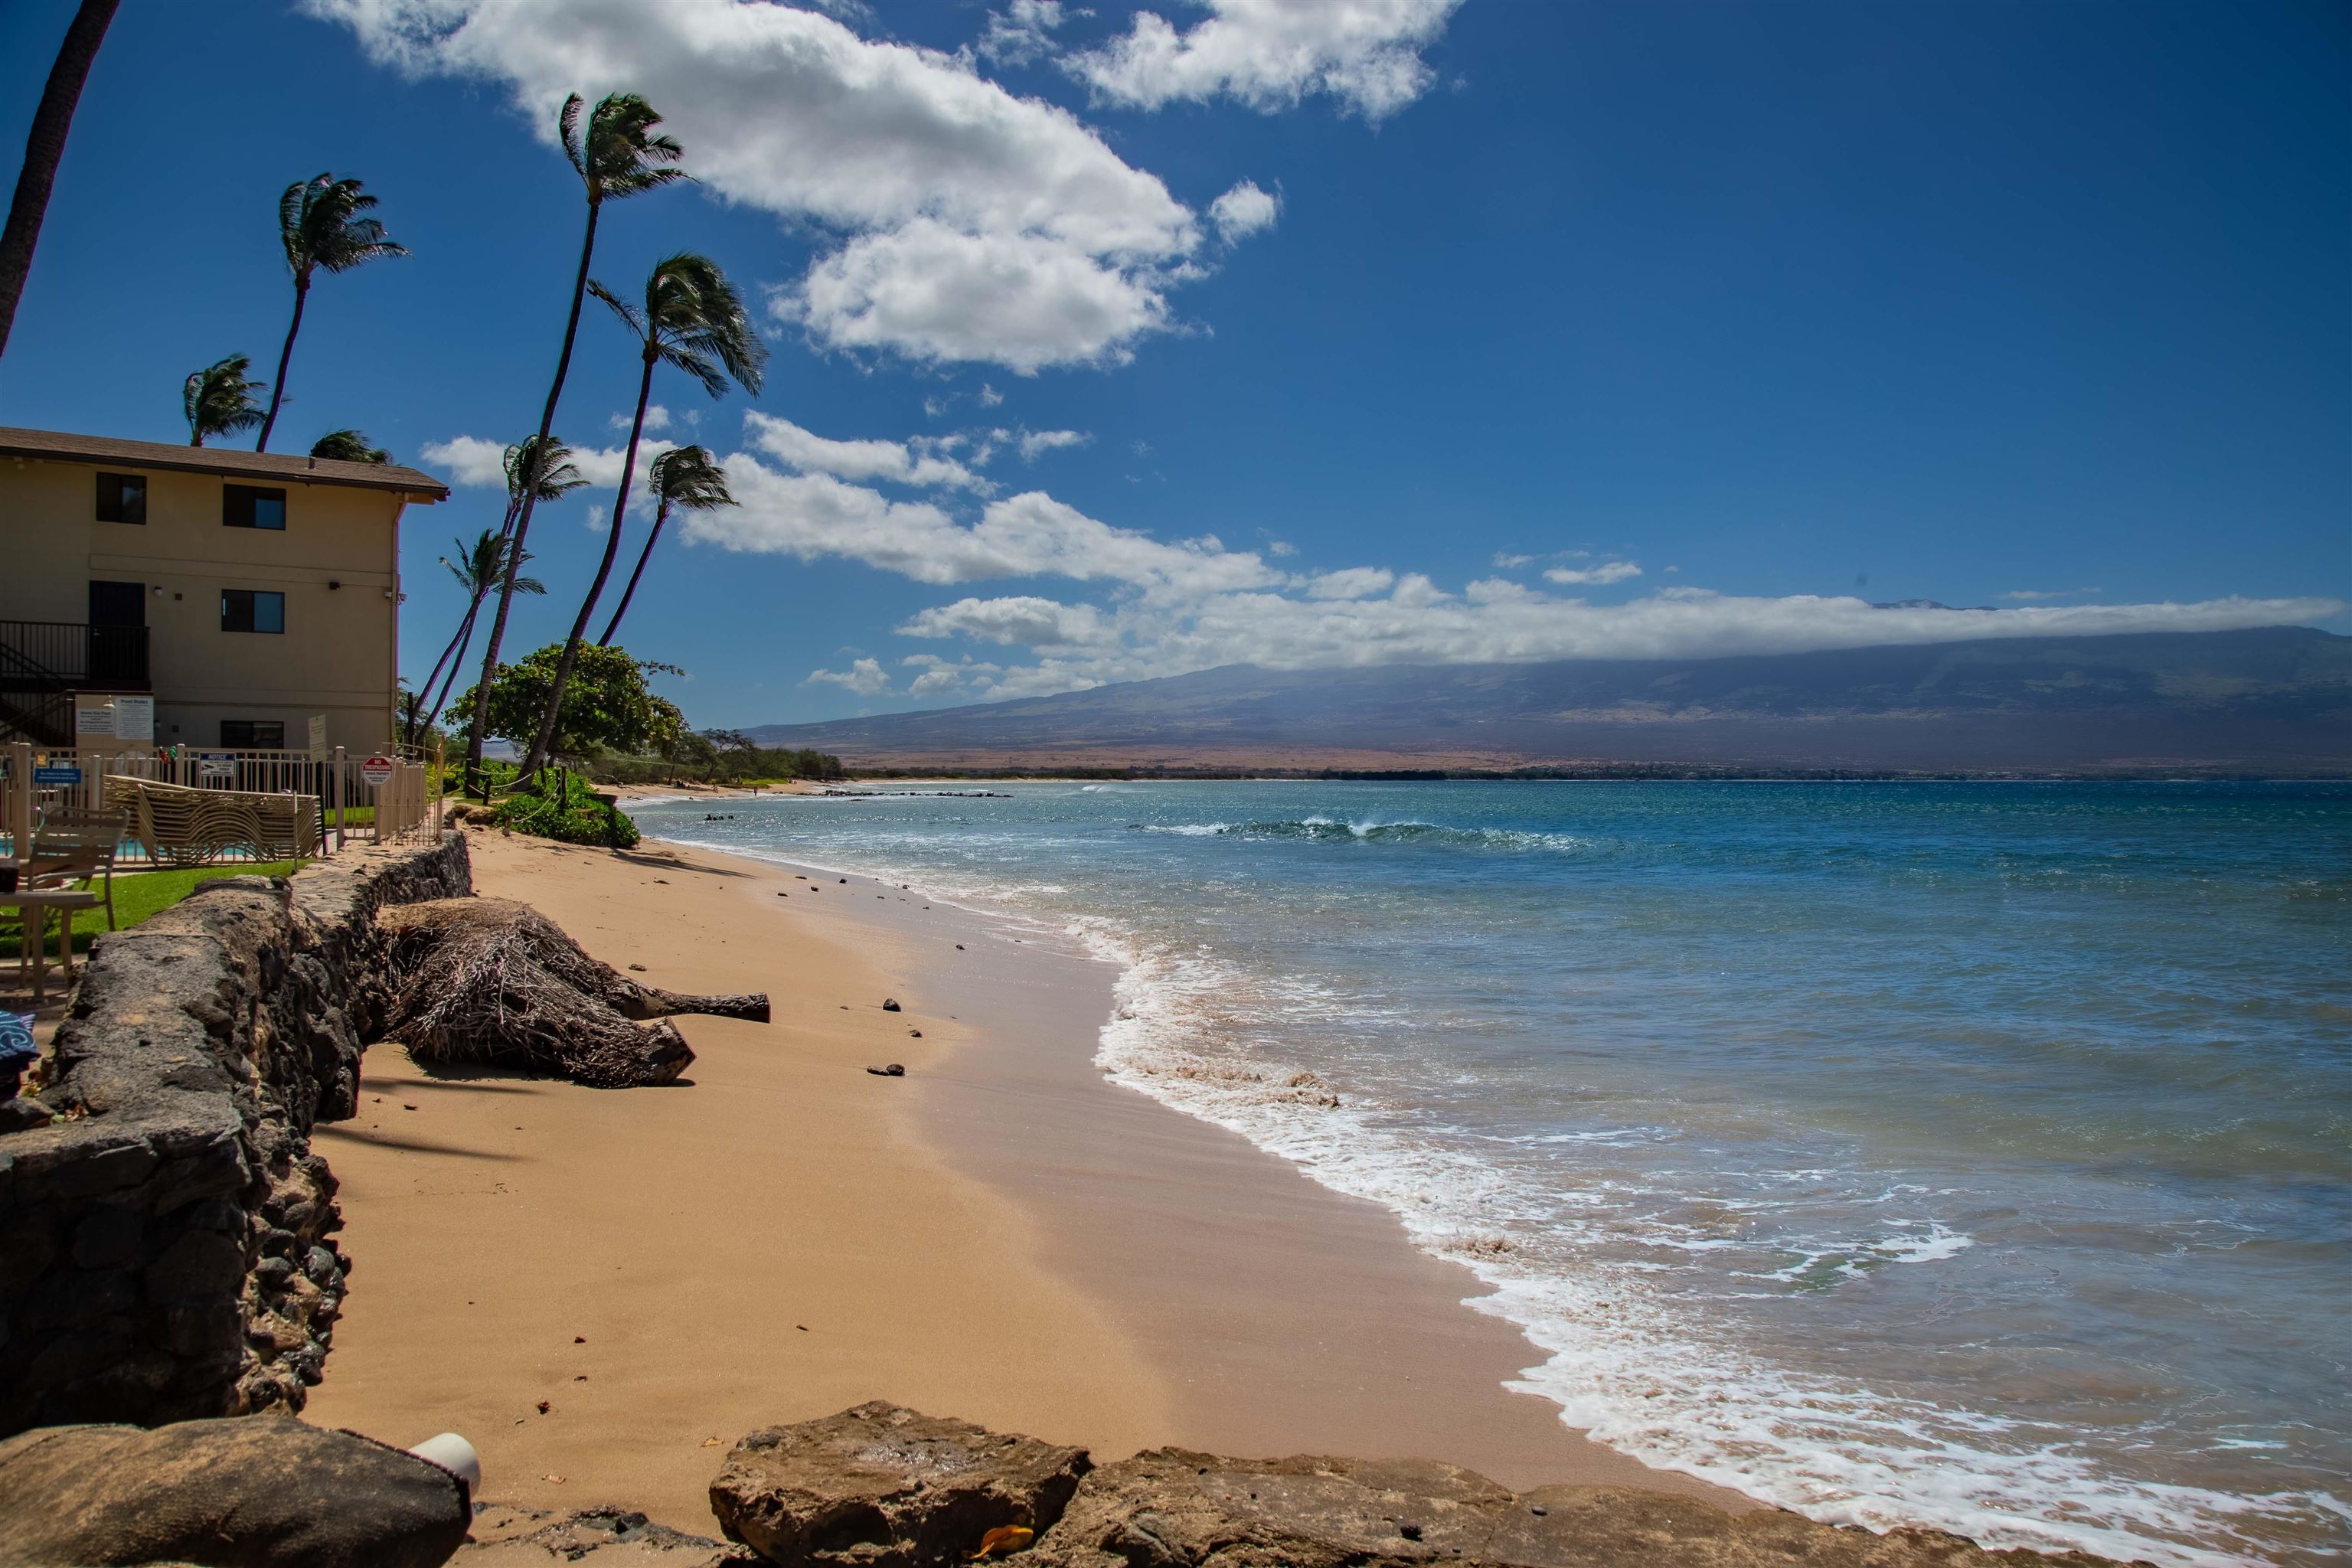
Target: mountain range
2276,700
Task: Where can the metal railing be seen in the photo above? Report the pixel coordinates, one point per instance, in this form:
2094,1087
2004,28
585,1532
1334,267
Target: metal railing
50,656
351,807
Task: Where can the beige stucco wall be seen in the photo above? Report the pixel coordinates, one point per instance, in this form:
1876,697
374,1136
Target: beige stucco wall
339,653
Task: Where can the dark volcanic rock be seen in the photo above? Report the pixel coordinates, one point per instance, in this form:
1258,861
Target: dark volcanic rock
883,1487
1170,1507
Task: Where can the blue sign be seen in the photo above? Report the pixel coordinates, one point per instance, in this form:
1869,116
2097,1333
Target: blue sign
56,775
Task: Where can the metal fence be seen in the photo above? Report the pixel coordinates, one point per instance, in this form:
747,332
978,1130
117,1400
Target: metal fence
353,806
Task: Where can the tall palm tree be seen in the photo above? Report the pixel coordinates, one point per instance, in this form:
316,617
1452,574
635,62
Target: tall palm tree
218,399
349,446
692,319
321,224
45,146
536,470
479,569
685,477
620,155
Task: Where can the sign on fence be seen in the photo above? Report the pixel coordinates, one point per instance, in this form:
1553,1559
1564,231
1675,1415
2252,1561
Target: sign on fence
318,737
134,718
50,777
376,770
215,765
93,716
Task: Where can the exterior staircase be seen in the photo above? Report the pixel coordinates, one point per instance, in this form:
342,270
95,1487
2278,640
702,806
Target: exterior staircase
42,663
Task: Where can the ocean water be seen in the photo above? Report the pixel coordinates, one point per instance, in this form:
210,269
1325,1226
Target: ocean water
1970,1155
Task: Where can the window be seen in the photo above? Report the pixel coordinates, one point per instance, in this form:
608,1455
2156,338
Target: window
248,506
122,497
248,610
253,734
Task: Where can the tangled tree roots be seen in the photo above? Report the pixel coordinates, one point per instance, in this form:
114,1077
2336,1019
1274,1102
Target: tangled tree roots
495,983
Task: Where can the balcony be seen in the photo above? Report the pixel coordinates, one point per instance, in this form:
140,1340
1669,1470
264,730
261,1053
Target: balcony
60,656
43,663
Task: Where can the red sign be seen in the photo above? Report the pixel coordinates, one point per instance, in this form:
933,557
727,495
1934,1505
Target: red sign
376,770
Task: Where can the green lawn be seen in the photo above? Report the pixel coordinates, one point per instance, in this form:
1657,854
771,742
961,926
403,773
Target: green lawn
137,895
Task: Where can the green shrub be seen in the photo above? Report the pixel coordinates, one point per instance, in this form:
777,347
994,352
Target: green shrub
585,820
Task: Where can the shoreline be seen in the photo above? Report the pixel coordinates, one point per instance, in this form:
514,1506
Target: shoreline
1016,1240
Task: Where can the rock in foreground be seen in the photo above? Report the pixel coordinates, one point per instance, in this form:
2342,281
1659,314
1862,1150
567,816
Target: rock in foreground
1170,1507
880,1486
508,1537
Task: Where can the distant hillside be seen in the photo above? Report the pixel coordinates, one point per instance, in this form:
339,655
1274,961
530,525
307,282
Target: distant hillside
2273,700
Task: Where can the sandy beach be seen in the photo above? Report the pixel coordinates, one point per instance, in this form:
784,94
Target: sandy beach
599,1289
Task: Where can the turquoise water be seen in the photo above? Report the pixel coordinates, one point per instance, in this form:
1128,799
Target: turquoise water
1969,1155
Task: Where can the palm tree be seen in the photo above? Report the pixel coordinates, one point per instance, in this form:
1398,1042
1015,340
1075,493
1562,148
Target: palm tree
320,223
219,399
536,470
621,155
348,446
685,477
693,319
479,569
45,146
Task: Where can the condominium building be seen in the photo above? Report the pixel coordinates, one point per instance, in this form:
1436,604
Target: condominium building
233,597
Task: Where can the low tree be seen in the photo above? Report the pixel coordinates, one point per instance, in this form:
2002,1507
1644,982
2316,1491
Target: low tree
606,705
322,224
219,399
348,446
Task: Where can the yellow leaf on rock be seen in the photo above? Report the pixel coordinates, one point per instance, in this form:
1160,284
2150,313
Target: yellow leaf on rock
1004,1541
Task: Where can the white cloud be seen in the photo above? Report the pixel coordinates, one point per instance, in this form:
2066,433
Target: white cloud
943,676
657,419
1024,619
1281,547
918,460
1241,212
1036,444
1269,54
989,396
1510,562
971,224
865,677
468,460
1023,32
2035,595
1606,572
1026,535
1351,582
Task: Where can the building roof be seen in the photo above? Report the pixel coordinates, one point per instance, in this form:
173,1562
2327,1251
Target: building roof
286,468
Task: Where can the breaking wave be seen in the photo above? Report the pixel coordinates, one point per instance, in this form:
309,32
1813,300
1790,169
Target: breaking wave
1336,830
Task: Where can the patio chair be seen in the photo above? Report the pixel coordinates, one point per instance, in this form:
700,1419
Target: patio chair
76,846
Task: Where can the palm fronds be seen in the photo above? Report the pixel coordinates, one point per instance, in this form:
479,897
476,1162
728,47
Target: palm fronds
349,446
620,153
219,399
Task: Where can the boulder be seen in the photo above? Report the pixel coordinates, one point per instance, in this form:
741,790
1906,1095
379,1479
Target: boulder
257,1491
1170,1508
880,1486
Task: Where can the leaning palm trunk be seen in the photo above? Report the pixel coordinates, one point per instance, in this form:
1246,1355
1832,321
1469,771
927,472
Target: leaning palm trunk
44,145
452,656
474,732
661,516
571,653
284,354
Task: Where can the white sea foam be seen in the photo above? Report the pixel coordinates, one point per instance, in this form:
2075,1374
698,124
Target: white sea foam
1624,1361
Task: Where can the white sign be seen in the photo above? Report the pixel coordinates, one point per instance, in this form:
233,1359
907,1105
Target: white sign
134,718
94,719
376,770
215,765
318,737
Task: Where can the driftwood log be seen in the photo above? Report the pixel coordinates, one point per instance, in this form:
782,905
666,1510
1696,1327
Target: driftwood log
493,983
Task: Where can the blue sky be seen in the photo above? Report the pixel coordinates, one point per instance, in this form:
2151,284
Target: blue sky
1110,345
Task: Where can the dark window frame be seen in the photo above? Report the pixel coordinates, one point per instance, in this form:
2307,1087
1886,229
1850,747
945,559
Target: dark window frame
240,507
122,495
259,734
245,605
